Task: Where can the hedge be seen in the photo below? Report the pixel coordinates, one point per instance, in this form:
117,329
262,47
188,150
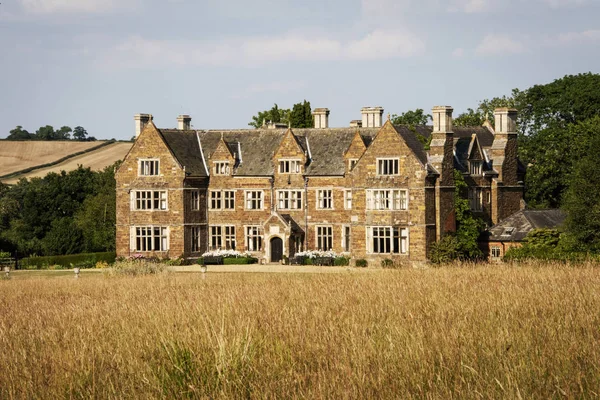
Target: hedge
83,260
239,260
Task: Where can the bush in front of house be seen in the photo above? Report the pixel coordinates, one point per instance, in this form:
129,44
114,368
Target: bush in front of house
83,260
341,261
361,263
239,260
230,257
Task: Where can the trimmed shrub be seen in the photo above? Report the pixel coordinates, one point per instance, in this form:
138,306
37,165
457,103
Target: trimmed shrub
362,263
387,263
239,260
341,261
83,260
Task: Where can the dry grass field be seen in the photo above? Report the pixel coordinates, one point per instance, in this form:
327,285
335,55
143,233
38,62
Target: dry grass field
16,156
96,160
454,332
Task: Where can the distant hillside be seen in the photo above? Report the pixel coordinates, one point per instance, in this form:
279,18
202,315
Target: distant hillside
41,157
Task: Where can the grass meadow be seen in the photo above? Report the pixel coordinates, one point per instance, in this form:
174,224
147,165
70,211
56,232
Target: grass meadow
530,331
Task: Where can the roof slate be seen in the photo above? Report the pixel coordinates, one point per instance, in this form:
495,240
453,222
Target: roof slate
327,146
523,222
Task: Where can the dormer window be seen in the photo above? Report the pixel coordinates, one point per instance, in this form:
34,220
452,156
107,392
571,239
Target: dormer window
388,166
148,167
475,167
289,166
222,168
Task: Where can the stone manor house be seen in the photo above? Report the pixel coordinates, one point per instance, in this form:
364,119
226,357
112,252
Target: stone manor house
372,190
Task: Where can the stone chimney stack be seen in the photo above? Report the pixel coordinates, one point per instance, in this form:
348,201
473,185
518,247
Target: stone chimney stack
505,120
371,117
184,122
141,120
441,157
321,117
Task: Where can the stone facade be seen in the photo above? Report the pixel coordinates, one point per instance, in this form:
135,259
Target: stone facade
370,192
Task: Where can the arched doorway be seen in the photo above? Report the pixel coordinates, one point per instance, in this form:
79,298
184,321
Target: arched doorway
276,249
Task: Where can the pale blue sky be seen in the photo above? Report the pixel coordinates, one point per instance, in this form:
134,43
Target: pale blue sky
96,63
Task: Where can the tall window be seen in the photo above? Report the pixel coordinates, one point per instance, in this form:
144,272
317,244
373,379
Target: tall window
495,252
387,240
216,200
475,199
348,199
324,237
148,167
475,167
150,200
387,166
346,238
254,200
289,199
195,200
289,166
229,199
222,168
222,237
151,238
387,199
325,199
195,239
254,238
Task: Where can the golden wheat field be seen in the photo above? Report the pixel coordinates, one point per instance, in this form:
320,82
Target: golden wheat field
453,332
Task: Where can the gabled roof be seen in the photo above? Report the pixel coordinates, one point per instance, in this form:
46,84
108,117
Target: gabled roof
515,227
327,146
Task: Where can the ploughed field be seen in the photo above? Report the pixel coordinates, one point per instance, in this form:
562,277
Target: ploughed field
454,332
16,156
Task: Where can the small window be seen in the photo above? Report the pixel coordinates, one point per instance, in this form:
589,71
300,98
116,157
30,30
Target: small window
222,237
348,199
222,168
228,199
254,200
254,238
475,199
150,200
195,200
325,199
216,198
195,239
346,238
289,199
387,199
324,238
495,252
475,167
151,238
289,166
388,166
148,167
508,231
352,163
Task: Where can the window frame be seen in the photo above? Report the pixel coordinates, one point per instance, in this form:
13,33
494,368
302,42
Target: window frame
221,168
321,199
222,237
195,200
476,167
162,200
395,165
386,236
155,166
290,199
494,249
146,242
253,236
260,200
475,196
323,238
352,163
346,238
348,195
394,200
288,163
195,237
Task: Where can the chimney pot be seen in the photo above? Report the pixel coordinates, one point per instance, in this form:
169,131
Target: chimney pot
442,119
505,120
321,118
141,120
184,122
371,117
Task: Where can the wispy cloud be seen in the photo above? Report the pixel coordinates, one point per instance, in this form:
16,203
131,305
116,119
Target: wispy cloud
571,38
496,44
75,6
138,52
269,87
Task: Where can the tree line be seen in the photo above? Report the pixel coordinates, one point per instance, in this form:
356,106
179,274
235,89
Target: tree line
67,213
49,133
